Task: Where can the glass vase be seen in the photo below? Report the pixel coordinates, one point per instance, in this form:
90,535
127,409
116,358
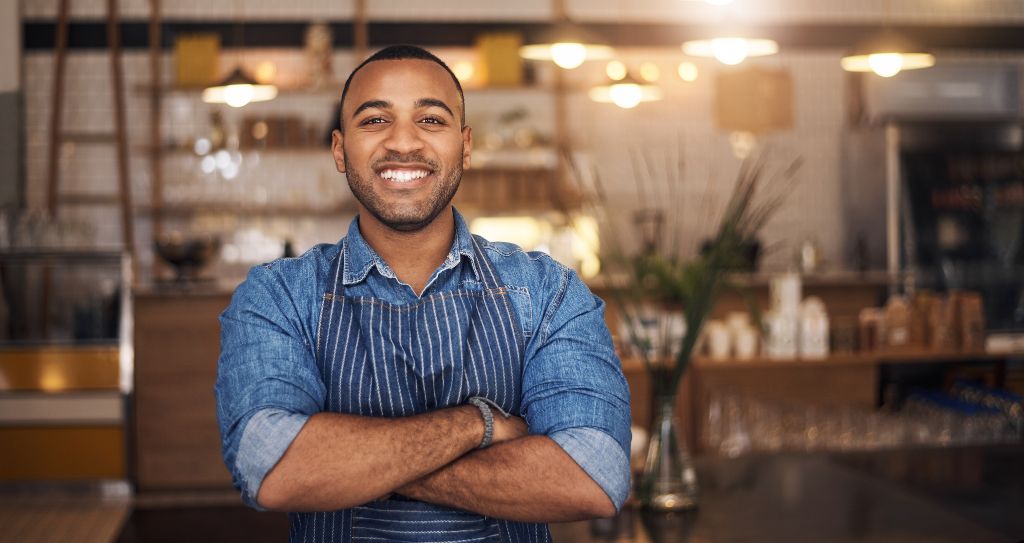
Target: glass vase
669,481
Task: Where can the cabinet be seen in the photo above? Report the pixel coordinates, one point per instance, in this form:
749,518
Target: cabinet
64,364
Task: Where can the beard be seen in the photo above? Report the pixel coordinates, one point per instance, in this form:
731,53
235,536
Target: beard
405,217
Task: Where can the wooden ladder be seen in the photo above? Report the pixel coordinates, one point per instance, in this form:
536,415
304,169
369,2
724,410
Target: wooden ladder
58,136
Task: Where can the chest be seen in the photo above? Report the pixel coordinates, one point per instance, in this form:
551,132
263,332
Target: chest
379,359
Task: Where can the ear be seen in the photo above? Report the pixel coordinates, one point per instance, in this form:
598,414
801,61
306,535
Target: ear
467,146
337,139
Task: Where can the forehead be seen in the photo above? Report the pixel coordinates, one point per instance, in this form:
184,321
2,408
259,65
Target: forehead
401,82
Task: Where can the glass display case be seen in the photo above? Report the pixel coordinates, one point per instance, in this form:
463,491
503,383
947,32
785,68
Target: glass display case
964,229
66,362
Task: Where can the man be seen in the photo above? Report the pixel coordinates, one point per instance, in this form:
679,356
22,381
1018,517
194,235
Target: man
414,382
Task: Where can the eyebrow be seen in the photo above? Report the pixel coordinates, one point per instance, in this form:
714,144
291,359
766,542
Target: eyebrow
372,104
384,104
434,102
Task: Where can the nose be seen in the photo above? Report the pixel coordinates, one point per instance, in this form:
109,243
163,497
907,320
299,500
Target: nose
404,137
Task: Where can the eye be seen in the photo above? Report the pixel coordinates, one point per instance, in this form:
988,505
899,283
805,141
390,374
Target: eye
433,120
372,120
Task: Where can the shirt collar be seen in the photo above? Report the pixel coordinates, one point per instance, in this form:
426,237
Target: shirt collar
360,258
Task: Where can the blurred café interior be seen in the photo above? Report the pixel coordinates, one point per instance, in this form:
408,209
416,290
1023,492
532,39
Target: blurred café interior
806,220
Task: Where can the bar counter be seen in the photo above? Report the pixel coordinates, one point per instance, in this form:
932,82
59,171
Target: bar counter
973,494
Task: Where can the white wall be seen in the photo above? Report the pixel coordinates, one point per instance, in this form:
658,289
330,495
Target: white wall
10,46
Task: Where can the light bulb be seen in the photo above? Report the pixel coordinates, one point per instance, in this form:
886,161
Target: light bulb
568,55
208,164
238,95
626,95
649,72
266,71
615,70
731,51
222,159
464,70
886,64
688,71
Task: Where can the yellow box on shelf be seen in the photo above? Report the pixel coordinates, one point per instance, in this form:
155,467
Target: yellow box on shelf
499,62
59,369
195,60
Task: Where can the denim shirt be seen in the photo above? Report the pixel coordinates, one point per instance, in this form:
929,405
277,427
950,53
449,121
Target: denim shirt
268,385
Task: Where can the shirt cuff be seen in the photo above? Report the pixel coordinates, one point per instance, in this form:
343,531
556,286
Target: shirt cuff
601,457
266,437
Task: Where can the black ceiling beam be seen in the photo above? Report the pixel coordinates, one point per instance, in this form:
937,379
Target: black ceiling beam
39,34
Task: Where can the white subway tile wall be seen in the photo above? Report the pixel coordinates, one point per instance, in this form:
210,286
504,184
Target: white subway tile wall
802,11
610,136
748,11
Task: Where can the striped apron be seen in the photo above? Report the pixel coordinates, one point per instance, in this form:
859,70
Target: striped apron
383,360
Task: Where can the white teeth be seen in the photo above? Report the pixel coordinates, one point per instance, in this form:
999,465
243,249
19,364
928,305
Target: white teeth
403,176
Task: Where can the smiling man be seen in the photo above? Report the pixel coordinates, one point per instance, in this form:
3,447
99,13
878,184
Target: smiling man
414,382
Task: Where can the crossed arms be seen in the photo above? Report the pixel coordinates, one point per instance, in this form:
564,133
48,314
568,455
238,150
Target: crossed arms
339,461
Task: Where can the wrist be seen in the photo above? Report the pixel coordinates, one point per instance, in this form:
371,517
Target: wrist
470,427
487,417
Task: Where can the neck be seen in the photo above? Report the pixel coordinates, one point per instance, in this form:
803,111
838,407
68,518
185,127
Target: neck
413,256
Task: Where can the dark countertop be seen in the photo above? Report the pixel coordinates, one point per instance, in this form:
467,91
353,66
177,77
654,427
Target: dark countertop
174,289
963,495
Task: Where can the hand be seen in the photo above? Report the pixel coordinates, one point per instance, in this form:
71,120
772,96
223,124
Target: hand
506,429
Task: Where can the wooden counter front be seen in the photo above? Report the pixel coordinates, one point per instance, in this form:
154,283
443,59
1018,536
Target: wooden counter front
177,342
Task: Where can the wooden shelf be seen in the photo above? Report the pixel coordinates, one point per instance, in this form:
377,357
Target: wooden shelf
228,209
829,278
327,91
297,149
333,90
62,254
859,359
512,160
840,360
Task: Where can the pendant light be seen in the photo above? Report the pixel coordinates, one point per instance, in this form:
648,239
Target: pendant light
887,52
731,50
626,93
238,88
567,44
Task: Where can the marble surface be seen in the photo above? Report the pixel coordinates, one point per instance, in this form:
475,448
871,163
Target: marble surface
946,495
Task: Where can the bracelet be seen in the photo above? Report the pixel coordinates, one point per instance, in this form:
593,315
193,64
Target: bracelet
485,412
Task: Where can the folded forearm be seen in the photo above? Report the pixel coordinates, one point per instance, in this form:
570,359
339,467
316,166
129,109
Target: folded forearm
530,479
339,461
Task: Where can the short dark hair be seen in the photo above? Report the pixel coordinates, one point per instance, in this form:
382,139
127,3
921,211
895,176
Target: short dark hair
402,52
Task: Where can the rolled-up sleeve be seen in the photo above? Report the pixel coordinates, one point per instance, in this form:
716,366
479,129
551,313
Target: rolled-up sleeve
267,380
574,390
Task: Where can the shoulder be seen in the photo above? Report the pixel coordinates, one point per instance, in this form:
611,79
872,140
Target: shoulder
532,269
316,263
289,283
554,290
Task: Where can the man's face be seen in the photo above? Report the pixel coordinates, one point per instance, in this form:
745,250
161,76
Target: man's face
403,148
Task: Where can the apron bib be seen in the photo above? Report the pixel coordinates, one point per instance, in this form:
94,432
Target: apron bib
383,360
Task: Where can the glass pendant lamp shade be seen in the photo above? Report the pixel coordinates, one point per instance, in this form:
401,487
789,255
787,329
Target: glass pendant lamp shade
887,54
626,93
731,50
238,89
568,45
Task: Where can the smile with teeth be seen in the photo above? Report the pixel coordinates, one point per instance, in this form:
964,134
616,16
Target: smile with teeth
403,176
